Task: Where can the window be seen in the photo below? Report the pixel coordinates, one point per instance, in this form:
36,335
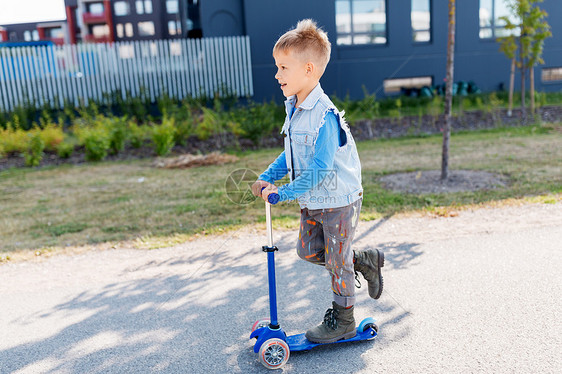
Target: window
421,20
55,32
552,74
129,30
139,5
143,6
27,36
148,6
95,8
100,31
35,35
174,28
119,29
396,85
122,8
491,26
172,6
146,28
361,22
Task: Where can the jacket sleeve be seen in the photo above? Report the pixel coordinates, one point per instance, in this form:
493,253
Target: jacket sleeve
275,171
324,152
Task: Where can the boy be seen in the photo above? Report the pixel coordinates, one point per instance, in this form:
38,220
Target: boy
321,158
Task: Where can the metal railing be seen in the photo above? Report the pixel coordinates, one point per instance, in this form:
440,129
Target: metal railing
77,73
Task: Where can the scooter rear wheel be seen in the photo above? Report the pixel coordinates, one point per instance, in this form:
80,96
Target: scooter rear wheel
274,353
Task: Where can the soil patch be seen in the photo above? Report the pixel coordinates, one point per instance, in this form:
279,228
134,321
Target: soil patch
429,182
191,161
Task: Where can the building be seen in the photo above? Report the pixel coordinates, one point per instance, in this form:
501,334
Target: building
105,21
383,45
377,45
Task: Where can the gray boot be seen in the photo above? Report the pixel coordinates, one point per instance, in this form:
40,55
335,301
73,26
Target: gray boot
338,324
369,263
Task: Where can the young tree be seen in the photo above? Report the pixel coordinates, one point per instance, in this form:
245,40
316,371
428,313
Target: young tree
508,45
527,29
448,91
537,30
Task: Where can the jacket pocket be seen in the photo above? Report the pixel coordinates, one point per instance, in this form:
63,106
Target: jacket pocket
303,146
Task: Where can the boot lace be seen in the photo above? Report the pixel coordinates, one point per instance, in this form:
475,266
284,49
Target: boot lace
330,318
357,281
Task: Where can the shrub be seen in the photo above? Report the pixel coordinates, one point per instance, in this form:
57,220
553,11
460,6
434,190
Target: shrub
34,151
166,105
134,107
66,147
185,122
117,131
209,125
52,135
13,139
163,137
96,142
256,120
137,134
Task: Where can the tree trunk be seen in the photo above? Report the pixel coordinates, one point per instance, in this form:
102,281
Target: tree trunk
511,87
523,68
532,84
449,91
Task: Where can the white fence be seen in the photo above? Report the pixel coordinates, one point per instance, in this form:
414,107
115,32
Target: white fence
77,73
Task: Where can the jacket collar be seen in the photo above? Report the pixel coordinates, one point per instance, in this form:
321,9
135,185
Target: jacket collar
308,103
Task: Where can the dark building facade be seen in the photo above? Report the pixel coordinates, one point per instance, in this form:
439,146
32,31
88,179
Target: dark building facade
377,45
382,44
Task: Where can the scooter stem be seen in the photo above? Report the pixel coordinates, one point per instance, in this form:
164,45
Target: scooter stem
271,269
268,224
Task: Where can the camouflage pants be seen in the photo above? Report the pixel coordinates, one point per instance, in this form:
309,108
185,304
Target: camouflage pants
325,239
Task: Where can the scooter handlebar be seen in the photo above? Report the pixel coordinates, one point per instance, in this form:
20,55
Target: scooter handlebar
272,198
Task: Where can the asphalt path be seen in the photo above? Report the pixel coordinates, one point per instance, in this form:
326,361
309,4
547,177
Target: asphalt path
477,292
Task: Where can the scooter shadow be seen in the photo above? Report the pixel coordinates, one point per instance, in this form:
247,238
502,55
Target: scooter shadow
303,293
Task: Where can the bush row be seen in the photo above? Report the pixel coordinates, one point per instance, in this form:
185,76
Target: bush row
99,131
99,135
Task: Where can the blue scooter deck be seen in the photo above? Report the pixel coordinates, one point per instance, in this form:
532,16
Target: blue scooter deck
301,343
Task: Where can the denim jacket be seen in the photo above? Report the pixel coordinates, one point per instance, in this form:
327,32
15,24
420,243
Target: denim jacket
334,188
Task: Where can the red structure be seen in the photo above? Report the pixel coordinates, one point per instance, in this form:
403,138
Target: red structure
109,19
71,23
3,34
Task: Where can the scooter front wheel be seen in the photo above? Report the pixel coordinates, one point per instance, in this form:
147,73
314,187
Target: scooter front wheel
263,322
274,353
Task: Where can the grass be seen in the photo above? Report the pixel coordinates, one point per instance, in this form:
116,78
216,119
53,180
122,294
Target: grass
56,207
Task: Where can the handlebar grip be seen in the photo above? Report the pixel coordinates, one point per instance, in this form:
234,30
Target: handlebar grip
273,198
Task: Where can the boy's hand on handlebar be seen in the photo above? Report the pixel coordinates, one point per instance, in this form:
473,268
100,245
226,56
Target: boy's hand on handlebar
258,186
269,190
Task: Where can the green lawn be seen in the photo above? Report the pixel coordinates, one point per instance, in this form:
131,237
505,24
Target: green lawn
117,201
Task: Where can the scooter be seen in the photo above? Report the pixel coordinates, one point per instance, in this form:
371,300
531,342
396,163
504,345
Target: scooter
273,345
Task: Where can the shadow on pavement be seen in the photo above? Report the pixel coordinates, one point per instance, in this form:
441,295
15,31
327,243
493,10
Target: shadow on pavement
193,313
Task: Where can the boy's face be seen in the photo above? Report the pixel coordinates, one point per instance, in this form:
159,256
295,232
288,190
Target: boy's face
295,76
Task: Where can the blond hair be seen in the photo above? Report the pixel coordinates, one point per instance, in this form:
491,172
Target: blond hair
308,42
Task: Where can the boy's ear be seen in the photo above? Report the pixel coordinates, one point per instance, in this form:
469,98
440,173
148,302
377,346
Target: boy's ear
310,68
